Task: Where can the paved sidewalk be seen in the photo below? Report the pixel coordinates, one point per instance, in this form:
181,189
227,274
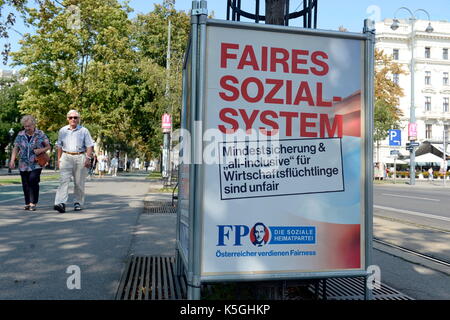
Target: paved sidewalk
15,172
36,248
155,234
418,182
414,276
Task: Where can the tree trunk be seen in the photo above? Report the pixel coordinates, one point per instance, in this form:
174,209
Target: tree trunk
275,11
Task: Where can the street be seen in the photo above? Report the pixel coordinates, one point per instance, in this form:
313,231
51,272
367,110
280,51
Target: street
424,203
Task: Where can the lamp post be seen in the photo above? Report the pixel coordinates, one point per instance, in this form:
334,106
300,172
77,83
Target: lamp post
444,147
11,135
412,132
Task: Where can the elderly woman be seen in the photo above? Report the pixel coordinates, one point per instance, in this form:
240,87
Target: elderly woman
29,143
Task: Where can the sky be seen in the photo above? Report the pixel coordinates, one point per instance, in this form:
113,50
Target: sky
331,14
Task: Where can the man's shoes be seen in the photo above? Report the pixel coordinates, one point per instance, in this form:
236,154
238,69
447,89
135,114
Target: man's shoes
77,207
61,208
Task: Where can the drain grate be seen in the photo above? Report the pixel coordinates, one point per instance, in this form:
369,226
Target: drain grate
353,289
159,207
151,278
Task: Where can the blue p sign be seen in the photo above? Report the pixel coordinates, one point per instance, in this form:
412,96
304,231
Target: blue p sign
395,137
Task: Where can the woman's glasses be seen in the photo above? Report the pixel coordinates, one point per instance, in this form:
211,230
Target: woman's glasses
70,118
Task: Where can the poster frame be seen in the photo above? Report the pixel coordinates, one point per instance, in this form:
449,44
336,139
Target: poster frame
197,55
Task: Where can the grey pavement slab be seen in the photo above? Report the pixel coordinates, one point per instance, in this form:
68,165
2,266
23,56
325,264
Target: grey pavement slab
155,233
413,279
36,248
412,275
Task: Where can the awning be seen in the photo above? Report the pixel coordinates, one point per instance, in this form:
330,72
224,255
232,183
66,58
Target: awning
391,160
427,158
441,148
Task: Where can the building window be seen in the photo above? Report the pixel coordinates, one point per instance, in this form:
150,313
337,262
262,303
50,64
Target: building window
427,103
427,78
428,131
445,53
446,128
395,78
445,79
395,54
427,52
445,104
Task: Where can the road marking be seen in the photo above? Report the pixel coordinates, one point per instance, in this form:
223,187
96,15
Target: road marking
414,213
410,197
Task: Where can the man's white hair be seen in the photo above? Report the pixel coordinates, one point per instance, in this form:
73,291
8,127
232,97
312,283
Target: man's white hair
73,111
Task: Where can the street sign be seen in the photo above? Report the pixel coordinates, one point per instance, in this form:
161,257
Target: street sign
395,137
395,152
166,122
412,144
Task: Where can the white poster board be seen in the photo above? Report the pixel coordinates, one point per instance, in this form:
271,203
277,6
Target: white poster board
283,153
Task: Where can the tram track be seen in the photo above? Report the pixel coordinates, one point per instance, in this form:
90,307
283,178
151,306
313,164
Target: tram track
389,230
414,253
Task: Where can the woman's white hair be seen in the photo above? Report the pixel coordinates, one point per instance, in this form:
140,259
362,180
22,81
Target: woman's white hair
73,111
28,118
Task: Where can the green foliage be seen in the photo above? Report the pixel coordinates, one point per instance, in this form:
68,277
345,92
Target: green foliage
11,92
9,9
383,120
111,69
152,35
387,94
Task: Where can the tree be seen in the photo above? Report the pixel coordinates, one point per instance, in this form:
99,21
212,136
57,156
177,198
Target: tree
91,68
387,114
59,58
8,22
11,91
152,40
109,68
275,11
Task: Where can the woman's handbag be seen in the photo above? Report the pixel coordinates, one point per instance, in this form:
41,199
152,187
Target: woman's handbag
42,159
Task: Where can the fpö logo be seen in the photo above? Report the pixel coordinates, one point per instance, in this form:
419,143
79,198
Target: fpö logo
260,235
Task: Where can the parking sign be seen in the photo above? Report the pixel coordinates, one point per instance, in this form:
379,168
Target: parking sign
395,137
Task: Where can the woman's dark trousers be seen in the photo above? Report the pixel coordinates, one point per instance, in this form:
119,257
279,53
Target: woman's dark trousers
30,185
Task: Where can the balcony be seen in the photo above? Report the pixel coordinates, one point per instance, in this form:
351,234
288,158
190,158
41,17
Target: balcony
434,115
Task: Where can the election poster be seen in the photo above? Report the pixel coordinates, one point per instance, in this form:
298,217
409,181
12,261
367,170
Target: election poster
283,153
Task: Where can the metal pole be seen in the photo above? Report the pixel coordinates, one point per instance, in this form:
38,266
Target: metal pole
200,115
444,163
412,110
192,168
199,17
395,168
168,135
11,135
368,145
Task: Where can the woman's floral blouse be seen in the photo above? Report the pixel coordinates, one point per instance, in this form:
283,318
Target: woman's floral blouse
26,153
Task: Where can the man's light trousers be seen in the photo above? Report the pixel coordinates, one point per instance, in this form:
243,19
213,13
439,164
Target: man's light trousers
71,166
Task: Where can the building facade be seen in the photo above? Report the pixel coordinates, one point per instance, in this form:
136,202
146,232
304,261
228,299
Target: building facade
431,79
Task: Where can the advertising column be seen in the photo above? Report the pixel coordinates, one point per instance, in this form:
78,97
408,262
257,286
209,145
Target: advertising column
283,152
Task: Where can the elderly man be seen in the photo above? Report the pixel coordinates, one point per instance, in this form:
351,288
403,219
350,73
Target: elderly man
75,147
